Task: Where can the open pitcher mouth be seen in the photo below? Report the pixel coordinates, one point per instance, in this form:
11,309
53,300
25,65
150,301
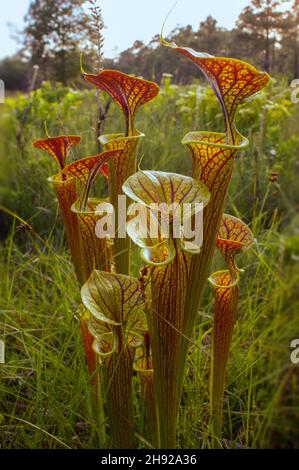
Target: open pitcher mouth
127,91
91,206
60,178
107,139
223,280
214,139
58,147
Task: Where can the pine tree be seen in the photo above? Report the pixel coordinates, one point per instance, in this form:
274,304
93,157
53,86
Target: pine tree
262,20
290,39
56,31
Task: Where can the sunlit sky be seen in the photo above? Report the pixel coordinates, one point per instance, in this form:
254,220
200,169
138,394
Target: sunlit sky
128,20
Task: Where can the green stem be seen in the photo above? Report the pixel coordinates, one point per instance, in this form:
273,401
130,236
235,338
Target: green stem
144,369
122,244
120,169
225,314
117,373
168,286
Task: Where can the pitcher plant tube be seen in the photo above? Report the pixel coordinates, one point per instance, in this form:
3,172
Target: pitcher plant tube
168,261
66,191
67,194
233,82
234,236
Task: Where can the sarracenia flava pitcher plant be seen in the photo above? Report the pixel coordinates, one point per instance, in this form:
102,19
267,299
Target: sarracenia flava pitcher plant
117,305
213,154
129,93
66,190
233,237
168,258
88,251
96,250
144,325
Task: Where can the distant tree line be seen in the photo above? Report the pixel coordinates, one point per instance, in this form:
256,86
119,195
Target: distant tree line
58,31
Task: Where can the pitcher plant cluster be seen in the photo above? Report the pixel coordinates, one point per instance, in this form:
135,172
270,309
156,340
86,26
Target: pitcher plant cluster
144,325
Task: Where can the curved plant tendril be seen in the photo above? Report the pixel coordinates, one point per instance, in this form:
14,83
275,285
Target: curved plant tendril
118,322
86,169
232,80
234,236
92,365
144,368
127,91
168,260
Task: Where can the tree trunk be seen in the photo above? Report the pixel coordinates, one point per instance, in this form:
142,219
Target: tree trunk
267,52
296,62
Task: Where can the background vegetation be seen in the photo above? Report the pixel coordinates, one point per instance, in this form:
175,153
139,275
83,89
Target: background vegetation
44,387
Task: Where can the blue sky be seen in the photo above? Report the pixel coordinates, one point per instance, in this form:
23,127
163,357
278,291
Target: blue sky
127,20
